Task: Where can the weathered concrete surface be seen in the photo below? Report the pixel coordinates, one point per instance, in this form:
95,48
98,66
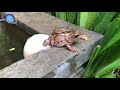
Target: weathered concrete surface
54,62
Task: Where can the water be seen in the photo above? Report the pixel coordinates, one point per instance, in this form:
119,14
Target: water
11,37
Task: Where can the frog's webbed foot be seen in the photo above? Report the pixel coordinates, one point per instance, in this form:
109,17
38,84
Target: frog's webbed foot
83,36
71,48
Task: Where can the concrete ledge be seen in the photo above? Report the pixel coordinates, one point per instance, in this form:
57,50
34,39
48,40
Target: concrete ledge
54,62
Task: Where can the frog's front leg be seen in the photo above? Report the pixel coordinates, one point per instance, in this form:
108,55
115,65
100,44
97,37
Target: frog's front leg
71,48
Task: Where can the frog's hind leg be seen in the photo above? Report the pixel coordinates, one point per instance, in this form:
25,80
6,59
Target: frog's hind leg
71,48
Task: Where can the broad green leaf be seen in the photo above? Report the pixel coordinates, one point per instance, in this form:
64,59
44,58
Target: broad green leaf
110,67
109,54
61,15
119,16
110,74
71,16
112,34
83,19
78,19
102,25
51,13
94,54
91,19
116,15
98,18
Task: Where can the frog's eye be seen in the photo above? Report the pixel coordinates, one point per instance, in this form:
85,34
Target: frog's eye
76,36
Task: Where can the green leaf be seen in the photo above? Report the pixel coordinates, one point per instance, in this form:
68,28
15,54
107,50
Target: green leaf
91,19
53,13
119,16
61,15
106,55
112,34
110,67
78,19
98,18
116,15
102,25
71,16
110,74
94,54
83,19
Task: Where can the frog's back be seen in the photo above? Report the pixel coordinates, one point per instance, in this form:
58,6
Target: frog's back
60,40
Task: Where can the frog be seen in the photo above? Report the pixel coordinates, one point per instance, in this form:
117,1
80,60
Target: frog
64,37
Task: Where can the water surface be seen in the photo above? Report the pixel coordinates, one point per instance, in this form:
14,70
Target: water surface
11,37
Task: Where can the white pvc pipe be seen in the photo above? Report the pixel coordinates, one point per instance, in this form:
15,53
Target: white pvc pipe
35,44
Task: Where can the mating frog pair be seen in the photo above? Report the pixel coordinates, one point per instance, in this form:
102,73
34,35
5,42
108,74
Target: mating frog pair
64,37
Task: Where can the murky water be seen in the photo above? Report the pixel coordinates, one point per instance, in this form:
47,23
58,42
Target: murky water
14,38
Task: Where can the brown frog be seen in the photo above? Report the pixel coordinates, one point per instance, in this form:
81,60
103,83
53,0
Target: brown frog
64,37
